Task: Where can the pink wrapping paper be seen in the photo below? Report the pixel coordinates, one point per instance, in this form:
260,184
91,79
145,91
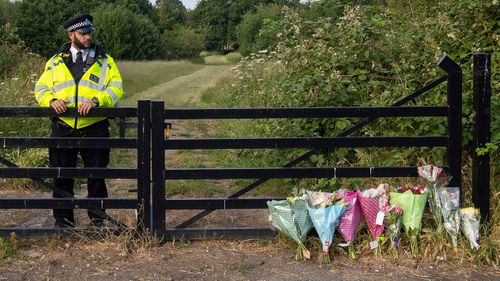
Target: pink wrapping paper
349,221
370,208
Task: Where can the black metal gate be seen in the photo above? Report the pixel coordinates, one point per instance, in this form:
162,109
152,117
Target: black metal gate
152,204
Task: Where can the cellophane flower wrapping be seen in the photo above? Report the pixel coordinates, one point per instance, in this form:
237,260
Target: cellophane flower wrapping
291,217
449,198
470,225
394,219
372,203
412,201
433,178
349,221
325,214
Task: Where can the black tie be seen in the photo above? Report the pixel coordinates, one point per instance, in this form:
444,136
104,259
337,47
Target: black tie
78,67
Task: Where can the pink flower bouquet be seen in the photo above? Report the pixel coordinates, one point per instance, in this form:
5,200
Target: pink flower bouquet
373,202
349,221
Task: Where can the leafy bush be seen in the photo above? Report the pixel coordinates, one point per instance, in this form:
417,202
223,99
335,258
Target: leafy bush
371,55
183,42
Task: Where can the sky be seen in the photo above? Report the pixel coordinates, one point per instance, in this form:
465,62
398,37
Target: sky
189,4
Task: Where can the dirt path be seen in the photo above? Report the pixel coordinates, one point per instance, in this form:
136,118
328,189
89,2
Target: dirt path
185,90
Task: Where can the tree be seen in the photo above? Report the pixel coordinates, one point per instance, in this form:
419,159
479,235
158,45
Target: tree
183,42
40,21
258,29
222,16
125,34
8,12
171,13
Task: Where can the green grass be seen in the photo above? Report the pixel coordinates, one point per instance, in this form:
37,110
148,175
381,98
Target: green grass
140,75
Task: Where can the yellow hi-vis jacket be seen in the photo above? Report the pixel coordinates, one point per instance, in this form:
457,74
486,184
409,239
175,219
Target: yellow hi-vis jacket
102,81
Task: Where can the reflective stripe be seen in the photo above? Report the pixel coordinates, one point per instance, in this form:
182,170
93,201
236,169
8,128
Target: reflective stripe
64,85
41,87
72,99
89,84
115,84
52,68
102,77
41,94
112,94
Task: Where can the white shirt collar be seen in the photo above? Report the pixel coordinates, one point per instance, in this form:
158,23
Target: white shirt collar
74,51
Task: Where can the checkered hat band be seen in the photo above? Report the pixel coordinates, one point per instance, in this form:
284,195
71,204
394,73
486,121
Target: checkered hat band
79,25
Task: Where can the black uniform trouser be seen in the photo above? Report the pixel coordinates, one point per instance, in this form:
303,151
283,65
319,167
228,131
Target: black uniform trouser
67,157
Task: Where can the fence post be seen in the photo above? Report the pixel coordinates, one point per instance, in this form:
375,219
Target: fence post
482,109
143,165
122,126
158,150
454,147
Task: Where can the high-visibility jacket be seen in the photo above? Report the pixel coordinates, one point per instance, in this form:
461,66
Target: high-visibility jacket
102,80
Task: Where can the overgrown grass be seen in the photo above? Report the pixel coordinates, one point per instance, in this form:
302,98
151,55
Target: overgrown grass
230,58
8,250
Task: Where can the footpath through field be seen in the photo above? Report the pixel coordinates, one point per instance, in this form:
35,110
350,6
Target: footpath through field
185,90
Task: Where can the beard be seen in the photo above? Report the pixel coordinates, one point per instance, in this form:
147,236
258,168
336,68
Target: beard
81,45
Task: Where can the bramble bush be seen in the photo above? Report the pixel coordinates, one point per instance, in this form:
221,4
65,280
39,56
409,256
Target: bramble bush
370,55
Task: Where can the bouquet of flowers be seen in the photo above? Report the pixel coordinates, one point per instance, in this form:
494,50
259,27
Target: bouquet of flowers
433,177
373,202
325,210
290,216
393,215
470,225
412,200
450,209
349,221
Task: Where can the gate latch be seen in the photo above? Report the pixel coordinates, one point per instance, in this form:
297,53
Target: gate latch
168,127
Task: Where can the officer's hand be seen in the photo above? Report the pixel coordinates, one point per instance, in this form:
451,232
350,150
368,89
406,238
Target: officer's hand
58,105
84,108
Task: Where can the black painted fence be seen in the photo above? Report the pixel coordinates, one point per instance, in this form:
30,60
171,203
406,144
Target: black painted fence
151,202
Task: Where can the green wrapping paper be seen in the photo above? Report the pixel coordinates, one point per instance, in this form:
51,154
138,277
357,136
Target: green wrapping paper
413,206
292,219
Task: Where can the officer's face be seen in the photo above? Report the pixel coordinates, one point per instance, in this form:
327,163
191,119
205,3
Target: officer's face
81,40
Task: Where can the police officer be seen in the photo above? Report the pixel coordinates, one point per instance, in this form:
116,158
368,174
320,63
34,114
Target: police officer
79,75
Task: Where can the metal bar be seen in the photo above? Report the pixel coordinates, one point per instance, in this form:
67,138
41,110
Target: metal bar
314,151
296,173
38,181
171,234
482,108
62,193
67,203
217,203
306,112
143,166
158,170
454,147
122,126
36,232
430,141
92,173
9,142
25,111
